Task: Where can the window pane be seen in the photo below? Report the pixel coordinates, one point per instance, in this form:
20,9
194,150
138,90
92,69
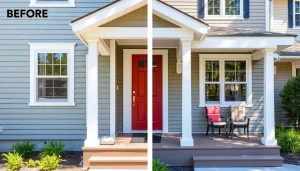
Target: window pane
64,58
64,70
56,69
235,71
212,71
41,58
52,88
297,19
232,7
213,7
49,69
235,92
297,71
41,70
49,59
56,58
212,92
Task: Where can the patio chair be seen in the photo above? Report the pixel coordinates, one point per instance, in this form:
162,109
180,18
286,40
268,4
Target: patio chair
238,119
214,120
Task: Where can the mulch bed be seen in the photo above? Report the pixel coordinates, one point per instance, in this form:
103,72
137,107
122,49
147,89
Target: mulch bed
70,162
291,159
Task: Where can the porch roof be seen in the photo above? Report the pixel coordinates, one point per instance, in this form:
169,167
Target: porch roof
236,32
292,51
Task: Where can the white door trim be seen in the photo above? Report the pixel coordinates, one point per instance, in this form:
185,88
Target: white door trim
127,87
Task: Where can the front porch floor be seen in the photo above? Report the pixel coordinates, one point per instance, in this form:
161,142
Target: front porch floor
219,152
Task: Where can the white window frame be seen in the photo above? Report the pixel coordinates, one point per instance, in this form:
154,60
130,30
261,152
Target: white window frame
36,48
294,68
222,12
221,58
54,4
294,14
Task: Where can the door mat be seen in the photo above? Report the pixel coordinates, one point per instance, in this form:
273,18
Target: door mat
142,138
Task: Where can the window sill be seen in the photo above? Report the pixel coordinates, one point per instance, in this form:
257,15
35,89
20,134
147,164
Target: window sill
48,5
296,28
223,18
51,104
227,105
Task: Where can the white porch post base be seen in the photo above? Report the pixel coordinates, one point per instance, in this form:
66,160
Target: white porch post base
268,142
92,142
186,142
269,114
186,138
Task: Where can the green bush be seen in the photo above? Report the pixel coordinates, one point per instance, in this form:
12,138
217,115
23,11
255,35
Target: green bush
32,163
53,148
290,101
288,140
25,148
49,163
159,166
13,161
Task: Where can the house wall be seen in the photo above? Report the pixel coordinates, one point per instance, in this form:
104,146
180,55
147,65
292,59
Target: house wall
280,22
198,114
256,20
18,120
283,74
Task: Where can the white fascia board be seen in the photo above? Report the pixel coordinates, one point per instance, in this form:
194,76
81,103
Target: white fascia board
178,18
242,42
108,14
289,57
139,33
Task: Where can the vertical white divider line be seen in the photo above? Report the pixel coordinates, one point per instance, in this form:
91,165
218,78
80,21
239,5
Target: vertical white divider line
150,80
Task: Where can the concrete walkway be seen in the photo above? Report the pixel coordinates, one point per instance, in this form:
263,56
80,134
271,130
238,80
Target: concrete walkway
286,167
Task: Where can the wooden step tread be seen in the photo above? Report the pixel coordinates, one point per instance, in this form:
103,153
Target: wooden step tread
118,159
242,157
115,148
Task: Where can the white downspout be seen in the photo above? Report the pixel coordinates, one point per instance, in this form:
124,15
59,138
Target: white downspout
267,14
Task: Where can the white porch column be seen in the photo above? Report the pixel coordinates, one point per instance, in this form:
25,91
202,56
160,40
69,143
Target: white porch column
269,115
186,138
112,88
92,139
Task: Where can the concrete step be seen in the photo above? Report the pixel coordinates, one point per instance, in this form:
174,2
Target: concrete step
238,161
125,162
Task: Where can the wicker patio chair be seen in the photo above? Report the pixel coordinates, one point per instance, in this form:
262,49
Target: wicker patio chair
238,119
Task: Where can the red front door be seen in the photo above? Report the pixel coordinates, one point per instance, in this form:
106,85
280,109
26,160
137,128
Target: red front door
139,92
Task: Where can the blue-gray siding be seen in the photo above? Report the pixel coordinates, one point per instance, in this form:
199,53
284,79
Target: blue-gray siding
20,121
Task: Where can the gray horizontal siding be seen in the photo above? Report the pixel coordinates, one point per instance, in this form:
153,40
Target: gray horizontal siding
20,121
198,114
283,74
256,20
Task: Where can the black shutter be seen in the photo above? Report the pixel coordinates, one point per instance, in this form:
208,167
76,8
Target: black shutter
201,8
290,13
246,9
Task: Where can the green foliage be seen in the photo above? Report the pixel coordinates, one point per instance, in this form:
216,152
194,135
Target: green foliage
53,148
288,140
48,163
290,100
13,161
25,148
32,163
159,166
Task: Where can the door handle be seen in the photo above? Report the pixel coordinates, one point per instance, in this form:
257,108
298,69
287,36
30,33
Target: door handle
133,100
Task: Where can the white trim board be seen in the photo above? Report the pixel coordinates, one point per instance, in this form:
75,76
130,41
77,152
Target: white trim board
127,87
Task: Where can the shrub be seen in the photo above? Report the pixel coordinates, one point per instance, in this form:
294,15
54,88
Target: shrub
159,166
49,163
32,163
290,101
288,140
13,161
53,148
25,148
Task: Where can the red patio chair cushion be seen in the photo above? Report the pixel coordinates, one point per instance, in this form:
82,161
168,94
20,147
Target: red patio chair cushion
213,113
